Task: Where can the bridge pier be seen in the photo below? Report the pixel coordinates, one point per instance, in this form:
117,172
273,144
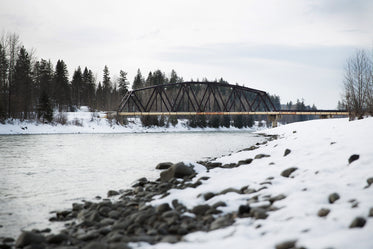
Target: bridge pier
274,119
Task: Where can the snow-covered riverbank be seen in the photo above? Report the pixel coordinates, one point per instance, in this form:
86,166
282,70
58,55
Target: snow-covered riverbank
307,214
85,122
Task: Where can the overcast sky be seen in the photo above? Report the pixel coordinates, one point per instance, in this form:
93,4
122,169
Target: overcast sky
292,48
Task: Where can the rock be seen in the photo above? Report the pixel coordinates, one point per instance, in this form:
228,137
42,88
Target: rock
219,204
258,213
242,162
118,246
229,190
260,156
371,212
358,222
208,196
57,239
27,238
89,235
179,170
96,245
164,165
170,239
163,208
287,152
200,209
287,172
221,222
35,246
323,212
369,181
286,244
244,211
111,193
353,157
333,197
114,214
140,182
277,198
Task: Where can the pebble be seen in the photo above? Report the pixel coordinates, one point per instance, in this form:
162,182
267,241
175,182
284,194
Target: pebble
286,244
164,165
260,156
352,158
287,172
333,197
111,193
287,152
358,222
323,212
371,212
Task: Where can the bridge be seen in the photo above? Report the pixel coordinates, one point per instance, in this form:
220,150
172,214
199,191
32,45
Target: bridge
205,98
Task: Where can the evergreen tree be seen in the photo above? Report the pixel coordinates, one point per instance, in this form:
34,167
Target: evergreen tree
158,78
3,82
45,111
226,121
61,93
139,81
106,88
23,84
123,83
89,88
77,87
174,78
100,97
238,121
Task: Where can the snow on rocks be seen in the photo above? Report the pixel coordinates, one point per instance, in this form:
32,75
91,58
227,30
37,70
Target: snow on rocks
314,197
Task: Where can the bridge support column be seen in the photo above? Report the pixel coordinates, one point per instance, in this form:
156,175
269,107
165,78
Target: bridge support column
274,119
325,116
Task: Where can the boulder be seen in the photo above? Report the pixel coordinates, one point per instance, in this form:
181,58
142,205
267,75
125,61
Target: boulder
323,212
287,152
179,170
200,209
333,197
287,172
260,156
358,222
286,244
164,165
27,238
111,193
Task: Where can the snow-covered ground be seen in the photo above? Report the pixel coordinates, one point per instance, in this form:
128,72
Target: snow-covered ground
84,121
319,150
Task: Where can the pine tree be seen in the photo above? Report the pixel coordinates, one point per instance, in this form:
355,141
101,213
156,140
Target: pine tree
77,87
62,90
139,81
123,83
106,88
23,84
45,111
100,97
89,88
3,82
174,78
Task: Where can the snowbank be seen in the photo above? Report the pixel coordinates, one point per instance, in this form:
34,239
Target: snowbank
319,153
84,121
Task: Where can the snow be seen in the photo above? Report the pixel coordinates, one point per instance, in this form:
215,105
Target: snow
320,150
84,121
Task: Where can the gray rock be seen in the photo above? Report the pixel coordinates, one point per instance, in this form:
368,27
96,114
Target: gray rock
258,213
27,238
244,211
179,170
170,239
352,158
163,208
229,190
369,181
277,198
200,209
91,235
287,152
371,212
164,165
221,222
208,196
260,156
114,214
35,246
96,245
287,172
111,193
286,244
118,246
247,161
219,204
333,197
323,212
358,222
57,239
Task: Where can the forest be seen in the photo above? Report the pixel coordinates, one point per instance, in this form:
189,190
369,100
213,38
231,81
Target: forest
35,89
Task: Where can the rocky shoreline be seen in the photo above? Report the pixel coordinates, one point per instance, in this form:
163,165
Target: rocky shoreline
116,223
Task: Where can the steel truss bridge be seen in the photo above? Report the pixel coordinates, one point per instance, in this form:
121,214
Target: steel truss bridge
205,98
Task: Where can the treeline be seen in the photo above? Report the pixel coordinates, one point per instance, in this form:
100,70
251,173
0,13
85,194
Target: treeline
32,88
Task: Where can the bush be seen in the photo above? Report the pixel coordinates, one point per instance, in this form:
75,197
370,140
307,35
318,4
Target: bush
61,118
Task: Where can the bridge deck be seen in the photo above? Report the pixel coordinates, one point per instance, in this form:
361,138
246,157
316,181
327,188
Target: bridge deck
284,112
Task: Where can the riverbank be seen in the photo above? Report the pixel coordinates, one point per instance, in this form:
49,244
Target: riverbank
85,122
308,186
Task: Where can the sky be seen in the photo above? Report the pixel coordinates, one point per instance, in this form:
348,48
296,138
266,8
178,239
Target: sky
296,49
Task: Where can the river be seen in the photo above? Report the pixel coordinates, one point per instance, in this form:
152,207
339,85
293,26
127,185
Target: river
44,173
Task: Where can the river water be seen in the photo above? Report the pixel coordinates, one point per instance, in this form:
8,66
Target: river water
44,173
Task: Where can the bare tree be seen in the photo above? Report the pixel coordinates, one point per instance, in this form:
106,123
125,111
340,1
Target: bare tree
358,83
